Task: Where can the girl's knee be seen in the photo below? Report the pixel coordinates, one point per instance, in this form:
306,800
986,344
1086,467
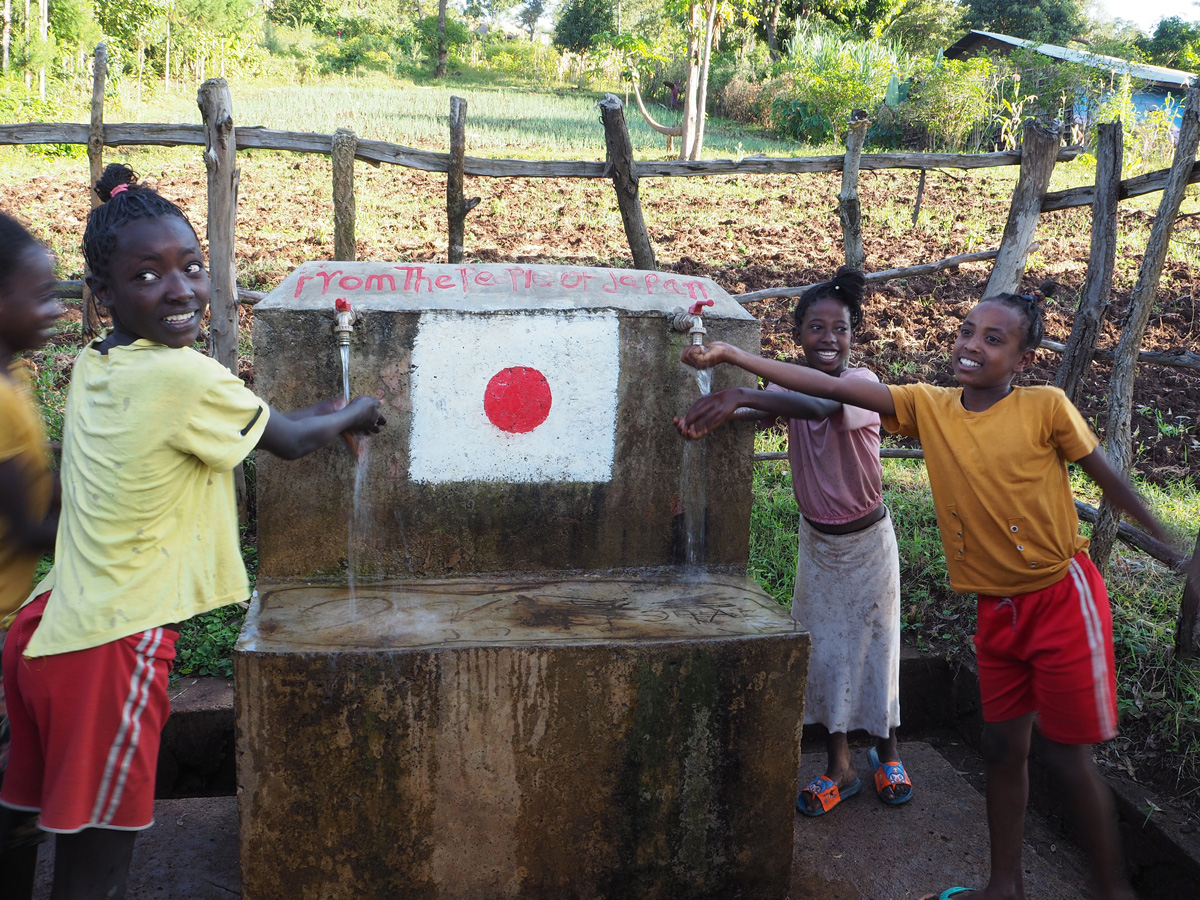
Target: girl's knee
1004,743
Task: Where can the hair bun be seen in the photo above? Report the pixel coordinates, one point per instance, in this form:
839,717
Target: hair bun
116,179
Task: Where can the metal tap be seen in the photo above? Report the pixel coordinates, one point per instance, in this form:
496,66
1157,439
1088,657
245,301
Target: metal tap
692,321
344,326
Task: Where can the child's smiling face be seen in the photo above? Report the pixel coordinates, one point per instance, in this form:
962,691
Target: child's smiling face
987,352
28,308
824,335
157,286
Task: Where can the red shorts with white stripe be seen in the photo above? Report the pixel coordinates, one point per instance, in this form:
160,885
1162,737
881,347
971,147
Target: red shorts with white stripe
1051,651
85,728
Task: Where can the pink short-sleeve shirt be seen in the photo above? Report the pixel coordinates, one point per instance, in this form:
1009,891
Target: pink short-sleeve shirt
835,461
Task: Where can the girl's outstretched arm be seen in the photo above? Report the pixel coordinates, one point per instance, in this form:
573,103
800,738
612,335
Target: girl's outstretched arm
711,411
1119,491
851,391
299,434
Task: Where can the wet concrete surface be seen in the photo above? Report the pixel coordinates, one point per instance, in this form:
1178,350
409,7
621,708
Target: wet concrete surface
519,610
865,850
861,851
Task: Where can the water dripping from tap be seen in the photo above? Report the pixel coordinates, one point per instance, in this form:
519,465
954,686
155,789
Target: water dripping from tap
693,490
360,520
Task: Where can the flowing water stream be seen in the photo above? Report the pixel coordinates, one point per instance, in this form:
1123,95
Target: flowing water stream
693,488
360,519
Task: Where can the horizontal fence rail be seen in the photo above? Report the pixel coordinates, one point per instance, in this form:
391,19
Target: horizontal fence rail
375,152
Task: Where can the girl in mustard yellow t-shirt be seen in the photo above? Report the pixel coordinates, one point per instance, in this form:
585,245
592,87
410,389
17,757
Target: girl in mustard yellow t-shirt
997,458
28,502
147,537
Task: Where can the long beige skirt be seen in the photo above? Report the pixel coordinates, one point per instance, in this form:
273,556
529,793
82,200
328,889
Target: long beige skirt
847,597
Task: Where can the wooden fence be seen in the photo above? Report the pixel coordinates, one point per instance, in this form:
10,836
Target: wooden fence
1041,150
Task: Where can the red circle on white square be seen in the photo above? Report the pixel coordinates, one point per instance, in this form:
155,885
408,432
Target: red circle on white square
517,399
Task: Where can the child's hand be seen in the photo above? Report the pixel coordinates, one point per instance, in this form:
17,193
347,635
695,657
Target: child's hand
705,356
366,417
707,414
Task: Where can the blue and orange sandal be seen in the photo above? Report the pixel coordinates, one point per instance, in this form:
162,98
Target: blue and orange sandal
827,793
890,775
949,893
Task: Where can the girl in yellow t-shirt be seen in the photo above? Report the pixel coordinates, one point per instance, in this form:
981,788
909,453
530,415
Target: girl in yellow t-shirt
28,501
147,537
997,459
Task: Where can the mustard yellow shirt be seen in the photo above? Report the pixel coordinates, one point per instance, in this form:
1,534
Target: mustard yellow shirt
22,441
148,530
999,481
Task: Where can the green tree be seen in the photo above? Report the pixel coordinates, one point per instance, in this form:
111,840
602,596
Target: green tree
1053,21
1175,43
127,20
299,12
580,21
923,27
529,13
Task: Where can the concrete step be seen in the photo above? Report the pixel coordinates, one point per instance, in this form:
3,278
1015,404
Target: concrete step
863,850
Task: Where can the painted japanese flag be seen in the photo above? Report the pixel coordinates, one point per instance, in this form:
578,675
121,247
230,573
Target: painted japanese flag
529,397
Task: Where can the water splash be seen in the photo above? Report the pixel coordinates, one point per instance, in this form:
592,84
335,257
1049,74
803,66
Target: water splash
693,490
360,520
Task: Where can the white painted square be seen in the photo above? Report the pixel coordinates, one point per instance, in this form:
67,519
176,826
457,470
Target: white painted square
456,355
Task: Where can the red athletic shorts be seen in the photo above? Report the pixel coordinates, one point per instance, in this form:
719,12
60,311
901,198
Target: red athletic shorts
85,728
1051,651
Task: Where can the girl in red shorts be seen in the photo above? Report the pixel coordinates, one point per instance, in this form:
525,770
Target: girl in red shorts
147,537
997,459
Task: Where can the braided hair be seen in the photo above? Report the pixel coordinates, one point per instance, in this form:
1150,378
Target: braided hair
15,241
1029,306
123,200
845,287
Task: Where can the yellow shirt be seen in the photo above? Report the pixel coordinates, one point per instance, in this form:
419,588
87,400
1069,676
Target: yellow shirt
22,441
148,530
999,480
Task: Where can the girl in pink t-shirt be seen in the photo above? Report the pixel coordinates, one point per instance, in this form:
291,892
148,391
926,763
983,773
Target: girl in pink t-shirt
847,590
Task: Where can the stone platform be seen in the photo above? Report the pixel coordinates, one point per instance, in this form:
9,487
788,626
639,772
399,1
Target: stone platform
630,734
864,851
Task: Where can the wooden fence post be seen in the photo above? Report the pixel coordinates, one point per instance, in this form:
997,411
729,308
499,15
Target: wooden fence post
345,143
1097,287
619,163
920,196
457,207
1119,445
1039,151
849,210
95,149
220,159
1187,630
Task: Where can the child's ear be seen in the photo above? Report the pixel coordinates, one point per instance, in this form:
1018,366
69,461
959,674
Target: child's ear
99,289
1026,360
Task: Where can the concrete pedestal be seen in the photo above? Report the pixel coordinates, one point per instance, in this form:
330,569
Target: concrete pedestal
620,735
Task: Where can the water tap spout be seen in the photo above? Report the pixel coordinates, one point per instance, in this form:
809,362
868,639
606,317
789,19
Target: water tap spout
344,326
692,321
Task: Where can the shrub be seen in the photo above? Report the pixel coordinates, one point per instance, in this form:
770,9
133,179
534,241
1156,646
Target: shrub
739,100
832,76
952,101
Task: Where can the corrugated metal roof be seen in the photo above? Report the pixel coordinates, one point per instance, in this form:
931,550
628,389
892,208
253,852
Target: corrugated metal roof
1157,74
